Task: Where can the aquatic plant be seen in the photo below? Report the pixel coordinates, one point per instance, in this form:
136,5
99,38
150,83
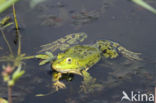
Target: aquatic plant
10,76
16,60
145,5
12,73
5,22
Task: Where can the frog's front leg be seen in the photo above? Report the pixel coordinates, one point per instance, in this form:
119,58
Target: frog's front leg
89,83
56,83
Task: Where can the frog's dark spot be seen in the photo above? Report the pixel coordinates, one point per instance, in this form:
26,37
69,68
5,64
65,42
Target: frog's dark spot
85,52
100,47
80,50
86,55
109,48
98,55
104,51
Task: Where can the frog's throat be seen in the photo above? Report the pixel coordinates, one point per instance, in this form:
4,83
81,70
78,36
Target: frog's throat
68,71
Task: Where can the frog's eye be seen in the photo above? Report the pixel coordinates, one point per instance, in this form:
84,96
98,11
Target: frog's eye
68,60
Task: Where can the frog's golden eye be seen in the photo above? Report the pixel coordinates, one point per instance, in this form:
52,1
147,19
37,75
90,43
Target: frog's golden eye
68,60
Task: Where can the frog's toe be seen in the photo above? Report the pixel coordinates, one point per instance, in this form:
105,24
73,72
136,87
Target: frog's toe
59,85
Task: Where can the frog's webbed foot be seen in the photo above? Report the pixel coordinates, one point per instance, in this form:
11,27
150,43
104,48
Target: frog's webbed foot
47,57
56,83
89,84
64,42
112,50
129,54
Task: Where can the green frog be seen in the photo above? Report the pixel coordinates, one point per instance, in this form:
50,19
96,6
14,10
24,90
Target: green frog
78,59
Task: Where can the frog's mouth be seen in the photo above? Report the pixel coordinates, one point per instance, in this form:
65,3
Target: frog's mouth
73,71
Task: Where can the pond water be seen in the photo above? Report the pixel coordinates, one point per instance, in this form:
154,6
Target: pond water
117,20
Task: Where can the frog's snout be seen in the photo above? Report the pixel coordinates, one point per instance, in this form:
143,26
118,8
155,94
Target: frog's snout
54,66
57,67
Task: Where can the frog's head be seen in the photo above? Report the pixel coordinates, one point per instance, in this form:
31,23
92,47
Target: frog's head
66,64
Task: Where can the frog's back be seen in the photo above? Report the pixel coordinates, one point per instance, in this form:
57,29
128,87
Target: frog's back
85,54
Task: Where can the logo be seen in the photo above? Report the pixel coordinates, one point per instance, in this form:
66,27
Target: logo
137,96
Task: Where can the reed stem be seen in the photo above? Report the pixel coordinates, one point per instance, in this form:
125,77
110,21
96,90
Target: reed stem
17,30
9,94
5,39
